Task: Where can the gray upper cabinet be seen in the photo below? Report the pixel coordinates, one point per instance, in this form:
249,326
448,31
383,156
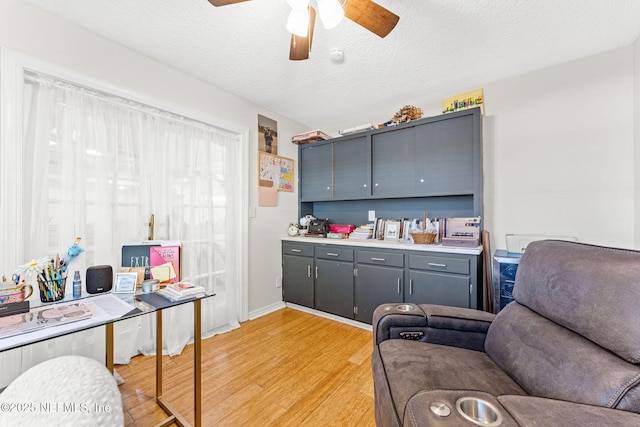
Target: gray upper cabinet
316,180
351,169
392,163
433,157
444,157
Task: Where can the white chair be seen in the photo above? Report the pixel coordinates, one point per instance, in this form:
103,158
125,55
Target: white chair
64,391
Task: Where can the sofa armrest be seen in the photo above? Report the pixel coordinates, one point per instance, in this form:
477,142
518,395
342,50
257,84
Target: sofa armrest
514,411
388,316
437,324
445,412
529,410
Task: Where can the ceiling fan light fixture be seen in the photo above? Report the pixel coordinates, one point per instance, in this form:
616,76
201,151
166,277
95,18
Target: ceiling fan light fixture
331,13
298,22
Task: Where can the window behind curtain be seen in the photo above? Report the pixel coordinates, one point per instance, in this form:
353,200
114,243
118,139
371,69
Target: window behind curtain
97,166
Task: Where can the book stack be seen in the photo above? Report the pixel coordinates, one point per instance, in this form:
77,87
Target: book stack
356,129
11,308
364,231
181,291
311,136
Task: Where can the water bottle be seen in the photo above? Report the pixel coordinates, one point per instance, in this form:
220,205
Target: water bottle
77,285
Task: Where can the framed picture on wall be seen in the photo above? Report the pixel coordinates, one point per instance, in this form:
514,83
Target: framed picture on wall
267,135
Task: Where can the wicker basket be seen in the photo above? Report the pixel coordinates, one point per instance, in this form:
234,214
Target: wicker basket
423,238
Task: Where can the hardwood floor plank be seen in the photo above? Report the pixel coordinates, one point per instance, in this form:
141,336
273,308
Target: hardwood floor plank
287,368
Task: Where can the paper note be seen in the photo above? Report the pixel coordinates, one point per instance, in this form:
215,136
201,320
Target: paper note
267,196
164,272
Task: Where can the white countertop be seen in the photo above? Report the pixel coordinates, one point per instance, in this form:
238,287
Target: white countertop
370,243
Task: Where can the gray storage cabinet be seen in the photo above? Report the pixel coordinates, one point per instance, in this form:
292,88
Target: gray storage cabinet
297,273
432,164
379,277
351,281
318,179
351,172
445,279
334,280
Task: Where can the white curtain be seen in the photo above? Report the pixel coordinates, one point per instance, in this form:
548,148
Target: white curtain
97,166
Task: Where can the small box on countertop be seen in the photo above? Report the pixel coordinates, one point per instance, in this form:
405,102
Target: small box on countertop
342,228
462,232
332,235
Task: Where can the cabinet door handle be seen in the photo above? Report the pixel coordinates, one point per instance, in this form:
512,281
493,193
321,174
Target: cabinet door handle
435,264
309,271
398,285
378,259
332,254
410,286
296,250
316,271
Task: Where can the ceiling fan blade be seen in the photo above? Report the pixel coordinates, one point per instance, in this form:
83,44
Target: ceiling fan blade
301,46
371,16
224,2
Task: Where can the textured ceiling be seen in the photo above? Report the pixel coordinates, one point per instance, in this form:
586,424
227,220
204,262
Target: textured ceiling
438,48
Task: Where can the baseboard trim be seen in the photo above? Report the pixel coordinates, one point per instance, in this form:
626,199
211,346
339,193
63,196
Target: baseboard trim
330,316
281,304
266,310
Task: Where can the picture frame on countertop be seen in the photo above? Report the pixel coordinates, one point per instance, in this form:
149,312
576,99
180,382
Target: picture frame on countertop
392,231
125,283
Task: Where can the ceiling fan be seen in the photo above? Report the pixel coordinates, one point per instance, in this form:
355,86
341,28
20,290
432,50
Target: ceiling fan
301,22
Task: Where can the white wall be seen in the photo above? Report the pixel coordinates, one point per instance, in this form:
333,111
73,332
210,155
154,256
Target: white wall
558,150
46,37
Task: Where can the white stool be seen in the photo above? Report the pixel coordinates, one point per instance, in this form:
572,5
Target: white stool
65,391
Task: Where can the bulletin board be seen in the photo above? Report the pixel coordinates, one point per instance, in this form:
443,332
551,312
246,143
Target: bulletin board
275,171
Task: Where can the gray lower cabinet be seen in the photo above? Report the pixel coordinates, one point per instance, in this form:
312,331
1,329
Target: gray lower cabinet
373,285
352,281
297,274
334,287
438,288
334,280
379,277
446,279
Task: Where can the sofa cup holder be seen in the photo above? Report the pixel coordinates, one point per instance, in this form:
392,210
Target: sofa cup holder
479,412
400,307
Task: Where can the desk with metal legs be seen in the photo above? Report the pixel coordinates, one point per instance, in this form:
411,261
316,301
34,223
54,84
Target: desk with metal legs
173,415
132,306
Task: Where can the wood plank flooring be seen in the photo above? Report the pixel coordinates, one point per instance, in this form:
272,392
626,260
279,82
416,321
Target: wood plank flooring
287,368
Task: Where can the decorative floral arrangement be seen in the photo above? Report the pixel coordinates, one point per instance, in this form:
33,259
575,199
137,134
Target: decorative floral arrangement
406,114
35,267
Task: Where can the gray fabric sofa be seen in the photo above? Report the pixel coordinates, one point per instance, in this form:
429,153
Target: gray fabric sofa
566,352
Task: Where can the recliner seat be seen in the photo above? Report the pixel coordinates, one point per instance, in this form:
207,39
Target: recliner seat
565,352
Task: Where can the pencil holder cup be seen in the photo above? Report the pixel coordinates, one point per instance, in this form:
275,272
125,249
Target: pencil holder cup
51,290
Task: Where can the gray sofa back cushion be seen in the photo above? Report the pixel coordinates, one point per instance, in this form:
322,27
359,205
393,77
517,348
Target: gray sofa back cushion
591,290
548,360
